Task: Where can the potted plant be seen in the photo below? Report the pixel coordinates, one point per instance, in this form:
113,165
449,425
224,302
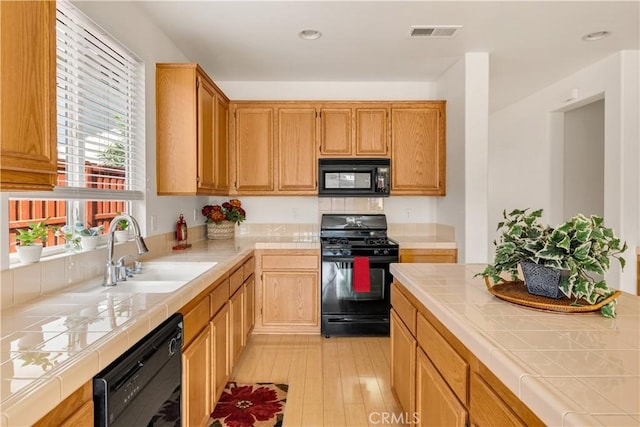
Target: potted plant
578,252
221,219
28,250
89,236
70,237
121,233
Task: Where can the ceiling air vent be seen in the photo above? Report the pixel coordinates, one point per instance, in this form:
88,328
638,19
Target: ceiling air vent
434,31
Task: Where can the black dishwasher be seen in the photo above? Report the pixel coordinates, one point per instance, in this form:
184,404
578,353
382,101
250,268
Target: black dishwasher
143,386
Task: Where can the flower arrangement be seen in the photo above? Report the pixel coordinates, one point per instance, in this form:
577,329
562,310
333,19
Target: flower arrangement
229,211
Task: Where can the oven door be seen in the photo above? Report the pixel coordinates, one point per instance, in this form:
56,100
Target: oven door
339,296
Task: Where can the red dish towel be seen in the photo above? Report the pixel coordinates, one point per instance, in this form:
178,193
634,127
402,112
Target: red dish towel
361,280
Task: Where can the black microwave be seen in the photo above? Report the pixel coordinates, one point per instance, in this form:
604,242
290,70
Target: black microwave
353,177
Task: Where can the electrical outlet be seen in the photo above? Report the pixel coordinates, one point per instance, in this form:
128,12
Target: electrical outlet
295,213
154,223
408,213
195,214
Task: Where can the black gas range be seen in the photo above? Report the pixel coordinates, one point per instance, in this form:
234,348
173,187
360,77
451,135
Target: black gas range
356,282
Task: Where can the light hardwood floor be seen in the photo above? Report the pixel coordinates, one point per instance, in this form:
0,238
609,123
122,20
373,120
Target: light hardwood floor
338,381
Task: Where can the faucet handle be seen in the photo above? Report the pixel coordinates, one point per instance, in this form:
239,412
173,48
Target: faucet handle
137,267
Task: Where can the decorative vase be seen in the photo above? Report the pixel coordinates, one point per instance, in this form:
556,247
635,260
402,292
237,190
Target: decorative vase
29,254
541,280
89,242
220,231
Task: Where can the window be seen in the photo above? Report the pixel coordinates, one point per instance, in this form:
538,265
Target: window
100,130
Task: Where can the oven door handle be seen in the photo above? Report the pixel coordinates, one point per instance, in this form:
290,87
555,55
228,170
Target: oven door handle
372,259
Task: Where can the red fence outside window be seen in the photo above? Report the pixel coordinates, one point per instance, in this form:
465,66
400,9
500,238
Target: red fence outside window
54,212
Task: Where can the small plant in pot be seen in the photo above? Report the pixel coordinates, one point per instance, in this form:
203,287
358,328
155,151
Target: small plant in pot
578,253
89,236
121,232
28,249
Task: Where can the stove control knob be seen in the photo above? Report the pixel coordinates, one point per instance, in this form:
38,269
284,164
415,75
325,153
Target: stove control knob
376,251
386,251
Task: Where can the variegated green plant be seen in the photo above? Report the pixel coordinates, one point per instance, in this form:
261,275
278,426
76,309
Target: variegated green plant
582,246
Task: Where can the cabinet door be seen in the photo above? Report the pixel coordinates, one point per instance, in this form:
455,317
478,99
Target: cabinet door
221,147
290,298
403,364
220,353
297,145
418,150
372,131
254,149
335,132
82,417
436,404
28,95
487,408
236,313
249,307
176,129
206,121
196,380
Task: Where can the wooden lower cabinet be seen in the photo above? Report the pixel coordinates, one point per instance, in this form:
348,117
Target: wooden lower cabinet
196,380
403,364
249,307
287,291
429,255
236,332
74,411
447,384
488,408
221,368
435,402
214,336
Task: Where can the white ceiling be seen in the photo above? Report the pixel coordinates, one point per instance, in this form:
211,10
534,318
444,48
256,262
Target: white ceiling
531,43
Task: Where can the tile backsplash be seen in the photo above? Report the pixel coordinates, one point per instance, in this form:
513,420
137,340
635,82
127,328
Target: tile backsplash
23,282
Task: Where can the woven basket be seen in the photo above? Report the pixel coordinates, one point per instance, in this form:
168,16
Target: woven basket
221,231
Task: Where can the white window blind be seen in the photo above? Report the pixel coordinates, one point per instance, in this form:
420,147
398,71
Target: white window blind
100,112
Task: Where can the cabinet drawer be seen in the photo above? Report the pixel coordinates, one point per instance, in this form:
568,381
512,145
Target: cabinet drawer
487,408
195,320
453,368
406,311
289,262
248,268
235,281
219,297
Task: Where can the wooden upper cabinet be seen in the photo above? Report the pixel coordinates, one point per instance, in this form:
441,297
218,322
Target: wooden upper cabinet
372,131
221,147
336,131
253,149
354,130
418,149
206,121
28,95
297,144
186,116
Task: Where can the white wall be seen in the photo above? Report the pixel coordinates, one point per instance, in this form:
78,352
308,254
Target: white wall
465,86
525,141
583,183
451,208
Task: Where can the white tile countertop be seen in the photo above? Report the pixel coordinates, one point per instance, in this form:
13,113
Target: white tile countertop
50,346
53,344
570,369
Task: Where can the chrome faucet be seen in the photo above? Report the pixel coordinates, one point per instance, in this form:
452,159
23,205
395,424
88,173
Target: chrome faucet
111,274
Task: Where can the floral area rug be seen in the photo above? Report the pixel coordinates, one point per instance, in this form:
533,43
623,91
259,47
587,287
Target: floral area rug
250,405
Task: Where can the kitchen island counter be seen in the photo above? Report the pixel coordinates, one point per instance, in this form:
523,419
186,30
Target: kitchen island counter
569,369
